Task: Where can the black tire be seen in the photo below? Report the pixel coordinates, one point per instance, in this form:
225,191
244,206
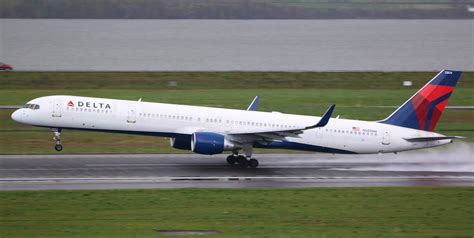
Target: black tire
243,162
253,163
231,159
58,147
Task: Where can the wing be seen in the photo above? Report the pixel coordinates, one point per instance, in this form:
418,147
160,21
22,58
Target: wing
280,134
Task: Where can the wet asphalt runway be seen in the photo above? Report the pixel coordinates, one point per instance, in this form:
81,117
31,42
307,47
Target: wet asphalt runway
122,171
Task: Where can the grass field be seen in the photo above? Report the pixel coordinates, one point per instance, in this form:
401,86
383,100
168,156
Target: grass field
323,212
298,93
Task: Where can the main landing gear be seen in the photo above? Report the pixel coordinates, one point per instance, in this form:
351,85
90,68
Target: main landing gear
57,138
242,161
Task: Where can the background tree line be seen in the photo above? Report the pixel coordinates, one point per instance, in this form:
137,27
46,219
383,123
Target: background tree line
234,9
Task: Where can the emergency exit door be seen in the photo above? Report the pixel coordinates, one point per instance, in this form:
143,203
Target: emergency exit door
56,108
132,114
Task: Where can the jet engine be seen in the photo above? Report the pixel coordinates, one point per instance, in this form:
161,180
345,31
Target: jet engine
209,143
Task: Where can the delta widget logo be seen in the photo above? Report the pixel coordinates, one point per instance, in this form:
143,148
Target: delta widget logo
95,105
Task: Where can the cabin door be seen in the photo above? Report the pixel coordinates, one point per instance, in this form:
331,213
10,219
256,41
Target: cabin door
57,108
386,137
132,114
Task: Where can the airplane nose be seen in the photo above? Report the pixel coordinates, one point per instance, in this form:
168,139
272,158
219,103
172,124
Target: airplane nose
16,115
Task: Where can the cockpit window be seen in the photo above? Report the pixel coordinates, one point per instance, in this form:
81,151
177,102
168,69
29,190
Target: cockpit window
32,106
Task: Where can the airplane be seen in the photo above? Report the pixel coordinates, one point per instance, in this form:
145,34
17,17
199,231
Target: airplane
208,130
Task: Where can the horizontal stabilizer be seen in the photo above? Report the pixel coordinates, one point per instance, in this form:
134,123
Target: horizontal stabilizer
425,139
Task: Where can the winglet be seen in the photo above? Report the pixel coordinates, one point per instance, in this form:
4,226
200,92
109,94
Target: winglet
253,105
324,119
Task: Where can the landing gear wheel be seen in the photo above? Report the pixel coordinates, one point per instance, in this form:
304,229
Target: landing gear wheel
253,163
231,159
58,147
243,162
57,138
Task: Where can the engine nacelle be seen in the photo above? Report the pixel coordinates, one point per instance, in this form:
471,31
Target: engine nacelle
181,143
209,143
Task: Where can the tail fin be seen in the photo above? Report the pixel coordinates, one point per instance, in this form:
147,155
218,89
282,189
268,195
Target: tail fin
423,110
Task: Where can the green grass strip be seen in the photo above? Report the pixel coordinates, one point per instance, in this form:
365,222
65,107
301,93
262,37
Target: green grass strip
318,212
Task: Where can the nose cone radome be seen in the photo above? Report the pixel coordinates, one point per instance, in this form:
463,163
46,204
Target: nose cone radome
16,116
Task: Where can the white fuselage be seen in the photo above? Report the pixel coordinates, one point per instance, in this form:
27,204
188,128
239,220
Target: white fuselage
171,120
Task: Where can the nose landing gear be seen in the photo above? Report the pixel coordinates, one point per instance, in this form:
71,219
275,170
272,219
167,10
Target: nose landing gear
57,138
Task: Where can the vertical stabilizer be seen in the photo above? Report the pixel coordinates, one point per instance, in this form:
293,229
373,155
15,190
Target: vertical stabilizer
423,110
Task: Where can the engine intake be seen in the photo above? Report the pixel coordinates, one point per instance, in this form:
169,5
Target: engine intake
209,143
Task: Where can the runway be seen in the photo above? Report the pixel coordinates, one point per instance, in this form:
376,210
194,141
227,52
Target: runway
131,171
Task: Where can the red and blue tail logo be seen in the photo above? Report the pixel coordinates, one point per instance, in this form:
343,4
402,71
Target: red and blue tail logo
423,110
